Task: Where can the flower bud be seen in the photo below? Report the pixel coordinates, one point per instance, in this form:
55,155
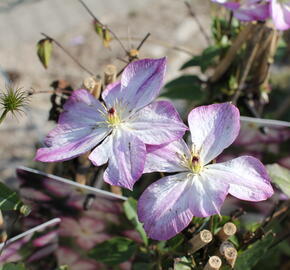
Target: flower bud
44,49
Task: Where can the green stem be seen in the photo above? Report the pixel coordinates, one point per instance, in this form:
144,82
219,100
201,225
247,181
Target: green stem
3,115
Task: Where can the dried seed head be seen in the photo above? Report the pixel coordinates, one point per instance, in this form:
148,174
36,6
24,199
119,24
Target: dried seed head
13,100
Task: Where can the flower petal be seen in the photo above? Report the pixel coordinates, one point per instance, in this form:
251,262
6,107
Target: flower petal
127,159
163,207
100,155
248,10
142,80
78,129
213,128
140,84
167,206
247,177
157,123
112,93
66,143
81,109
253,10
280,14
166,158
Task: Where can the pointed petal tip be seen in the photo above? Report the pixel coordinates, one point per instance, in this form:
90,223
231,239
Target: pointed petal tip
128,186
160,63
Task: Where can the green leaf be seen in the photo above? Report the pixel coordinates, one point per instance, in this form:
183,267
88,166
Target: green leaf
44,50
130,208
114,251
280,176
175,242
182,263
9,200
185,87
251,256
205,60
12,266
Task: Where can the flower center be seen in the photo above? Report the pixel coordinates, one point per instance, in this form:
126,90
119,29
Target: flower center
195,164
113,118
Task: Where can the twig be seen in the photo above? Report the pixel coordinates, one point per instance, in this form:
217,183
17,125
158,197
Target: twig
68,54
232,52
122,60
131,58
228,230
214,263
105,26
164,44
200,240
202,30
33,92
248,67
230,24
143,41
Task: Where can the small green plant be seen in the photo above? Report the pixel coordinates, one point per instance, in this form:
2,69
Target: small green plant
13,100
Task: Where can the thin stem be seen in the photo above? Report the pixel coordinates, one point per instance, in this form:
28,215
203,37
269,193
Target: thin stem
105,26
90,12
164,44
245,74
202,30
230,24
34,92
68,54
143,41
122,60
3,115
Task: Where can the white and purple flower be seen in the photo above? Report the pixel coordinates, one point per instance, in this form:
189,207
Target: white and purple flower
247,10
260,10
120,127
199,188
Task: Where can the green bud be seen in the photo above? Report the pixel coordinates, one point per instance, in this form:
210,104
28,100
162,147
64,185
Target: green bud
106,38
44,50
104,33
25,210
98,28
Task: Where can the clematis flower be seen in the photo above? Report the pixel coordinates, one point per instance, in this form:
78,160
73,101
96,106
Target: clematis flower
280,12
199,188
120,127
247,10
